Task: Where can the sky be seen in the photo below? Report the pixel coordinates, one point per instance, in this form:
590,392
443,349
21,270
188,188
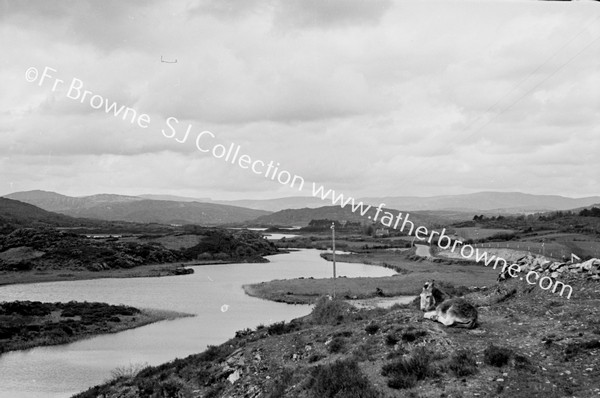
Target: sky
369,98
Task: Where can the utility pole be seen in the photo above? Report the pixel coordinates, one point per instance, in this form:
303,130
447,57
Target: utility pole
333,248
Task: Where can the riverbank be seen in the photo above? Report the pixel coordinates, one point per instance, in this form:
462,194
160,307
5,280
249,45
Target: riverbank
527,343
27,324
408,282
141,271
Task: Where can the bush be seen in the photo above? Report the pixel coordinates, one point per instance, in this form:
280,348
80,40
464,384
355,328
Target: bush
405,372
391,339
281,383
462,363
281,328
372,328
411,335
340,379
338,344
496,356
330,311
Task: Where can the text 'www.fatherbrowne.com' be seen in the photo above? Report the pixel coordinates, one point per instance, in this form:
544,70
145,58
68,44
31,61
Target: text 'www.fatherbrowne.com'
207,142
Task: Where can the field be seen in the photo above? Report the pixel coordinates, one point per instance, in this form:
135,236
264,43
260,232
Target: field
412,275
480,233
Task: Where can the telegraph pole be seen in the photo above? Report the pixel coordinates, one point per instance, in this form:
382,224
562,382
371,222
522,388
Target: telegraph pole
333,247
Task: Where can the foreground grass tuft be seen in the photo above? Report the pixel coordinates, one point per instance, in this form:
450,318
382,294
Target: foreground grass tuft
406,372
340,379
496,356
462,363
331,311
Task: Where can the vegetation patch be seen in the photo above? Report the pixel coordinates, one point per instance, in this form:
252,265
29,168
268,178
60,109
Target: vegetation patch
496,356
406,372
342,378
27,324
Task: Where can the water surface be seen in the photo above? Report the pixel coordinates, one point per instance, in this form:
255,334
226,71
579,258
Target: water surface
213,293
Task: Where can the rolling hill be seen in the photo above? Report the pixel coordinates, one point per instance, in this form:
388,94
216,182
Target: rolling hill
52,201
168,212
136,209
301,217
18,214
514,202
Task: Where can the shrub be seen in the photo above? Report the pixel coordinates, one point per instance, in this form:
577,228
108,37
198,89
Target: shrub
340,379
522,362
462,363
391,339
372,328
338,344
315,358
127,371
281,328
496,356
281,383
330,311
412,335
405,372
366,351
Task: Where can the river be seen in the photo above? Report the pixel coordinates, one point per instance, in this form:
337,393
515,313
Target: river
213,293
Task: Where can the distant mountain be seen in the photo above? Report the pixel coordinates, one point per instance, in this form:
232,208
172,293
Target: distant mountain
292,202
167,212
492,202
487,201
301,217
53,201
18,214
179,198
136,209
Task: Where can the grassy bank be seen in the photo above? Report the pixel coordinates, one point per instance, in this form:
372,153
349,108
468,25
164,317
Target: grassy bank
27,324
412,275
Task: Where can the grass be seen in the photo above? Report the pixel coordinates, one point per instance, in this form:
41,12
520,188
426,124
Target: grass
342,378
404,373
462,363
330,311
497,356
409,283
26,324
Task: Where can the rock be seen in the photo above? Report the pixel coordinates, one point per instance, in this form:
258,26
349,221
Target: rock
235,376
587,265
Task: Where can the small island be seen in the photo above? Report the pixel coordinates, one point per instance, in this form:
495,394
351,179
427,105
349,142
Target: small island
28,324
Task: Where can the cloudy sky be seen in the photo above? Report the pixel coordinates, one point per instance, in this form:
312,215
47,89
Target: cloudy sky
371,98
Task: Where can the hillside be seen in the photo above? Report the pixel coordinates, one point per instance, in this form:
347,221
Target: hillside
168,212
15,214
487,201
527,344
56,202
302,217
44,254
135,209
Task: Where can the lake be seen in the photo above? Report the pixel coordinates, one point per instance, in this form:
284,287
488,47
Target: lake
214,293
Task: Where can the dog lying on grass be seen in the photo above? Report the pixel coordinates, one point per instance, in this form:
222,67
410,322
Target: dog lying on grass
455,312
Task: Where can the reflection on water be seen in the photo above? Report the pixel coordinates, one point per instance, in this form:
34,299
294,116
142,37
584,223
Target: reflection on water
213,293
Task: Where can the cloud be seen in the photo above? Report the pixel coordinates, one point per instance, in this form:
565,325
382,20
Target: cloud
372,98
332,13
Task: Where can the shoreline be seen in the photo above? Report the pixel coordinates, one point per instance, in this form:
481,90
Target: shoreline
141,271
410,277
146,316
